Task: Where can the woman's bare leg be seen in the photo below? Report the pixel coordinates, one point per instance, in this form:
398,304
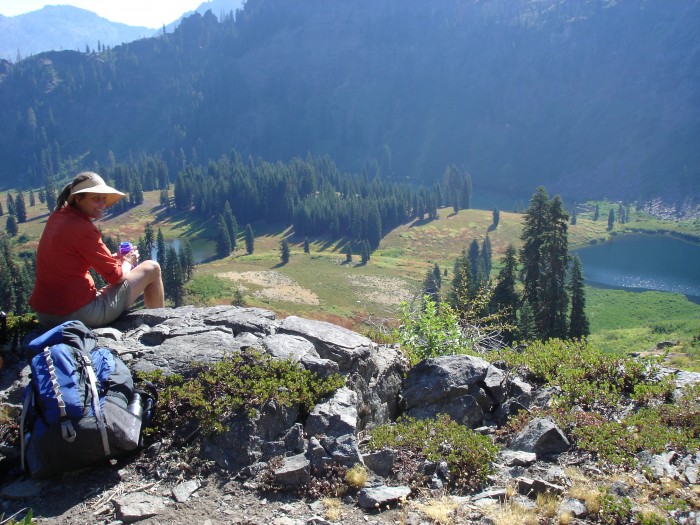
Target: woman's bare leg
146,279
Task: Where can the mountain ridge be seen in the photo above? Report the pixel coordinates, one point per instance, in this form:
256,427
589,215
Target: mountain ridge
591,99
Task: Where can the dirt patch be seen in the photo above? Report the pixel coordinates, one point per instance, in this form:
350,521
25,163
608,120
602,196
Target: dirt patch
389,291
273,286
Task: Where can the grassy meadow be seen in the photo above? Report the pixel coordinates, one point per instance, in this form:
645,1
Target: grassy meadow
322,285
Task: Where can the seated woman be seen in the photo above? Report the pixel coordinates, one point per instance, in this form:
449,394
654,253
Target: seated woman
70,245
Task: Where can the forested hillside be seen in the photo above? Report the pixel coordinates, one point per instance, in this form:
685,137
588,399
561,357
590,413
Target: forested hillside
590,98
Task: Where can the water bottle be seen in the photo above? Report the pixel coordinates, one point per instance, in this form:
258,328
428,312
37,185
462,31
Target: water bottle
135,405
125,248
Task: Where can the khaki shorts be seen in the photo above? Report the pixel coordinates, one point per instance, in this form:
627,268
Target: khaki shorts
109,304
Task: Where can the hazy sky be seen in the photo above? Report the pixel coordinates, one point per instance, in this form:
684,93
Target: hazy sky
147,13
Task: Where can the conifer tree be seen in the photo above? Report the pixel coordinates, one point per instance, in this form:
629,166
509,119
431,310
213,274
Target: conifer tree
10,204
249,239
527,329
284,251
348,253
496,218
148,241
365,255
231,224
2,212
596,213
611,219
307,246
505,298
11,226
160,247
486,256
475,261
550,310
578,322
186,259
32,198
20,208
223,241
534,228
173,278
462,291
431,287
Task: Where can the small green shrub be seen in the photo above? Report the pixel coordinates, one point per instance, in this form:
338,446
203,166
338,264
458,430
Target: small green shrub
243,381
614,510
431,332
467,453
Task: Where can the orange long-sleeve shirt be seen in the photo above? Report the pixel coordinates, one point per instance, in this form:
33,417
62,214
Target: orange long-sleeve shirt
70,245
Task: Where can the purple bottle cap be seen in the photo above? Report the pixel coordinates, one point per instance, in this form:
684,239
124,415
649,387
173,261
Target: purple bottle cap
125,247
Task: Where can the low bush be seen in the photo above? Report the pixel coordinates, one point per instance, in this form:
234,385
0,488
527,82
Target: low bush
467,453
245,381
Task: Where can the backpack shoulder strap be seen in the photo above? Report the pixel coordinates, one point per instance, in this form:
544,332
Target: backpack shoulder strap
96,402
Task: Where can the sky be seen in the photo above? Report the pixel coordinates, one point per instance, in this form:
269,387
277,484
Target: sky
147,13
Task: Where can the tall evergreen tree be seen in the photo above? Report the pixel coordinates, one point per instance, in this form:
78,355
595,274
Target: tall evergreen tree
223,241
578,321
186,259
148,241
11,226
505,298
551,306
2,212
160,246
475,261
10,205
284,251
486,256
596,213
173,278
20,208
536,219
348,253
366,252
611,219
527,328
231,224
496,218
462,291
374,227
249,239
431,286
307,246
32,198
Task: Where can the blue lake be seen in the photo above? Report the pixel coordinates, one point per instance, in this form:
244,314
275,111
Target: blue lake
644,262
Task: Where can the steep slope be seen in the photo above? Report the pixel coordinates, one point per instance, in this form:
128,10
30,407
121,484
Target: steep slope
591,98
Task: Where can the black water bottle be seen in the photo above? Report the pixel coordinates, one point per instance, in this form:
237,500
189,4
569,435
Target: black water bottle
135,405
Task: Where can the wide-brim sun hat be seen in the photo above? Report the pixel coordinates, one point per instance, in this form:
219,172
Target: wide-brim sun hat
95,184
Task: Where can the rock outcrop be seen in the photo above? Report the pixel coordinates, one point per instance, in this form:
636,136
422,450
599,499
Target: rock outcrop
379,386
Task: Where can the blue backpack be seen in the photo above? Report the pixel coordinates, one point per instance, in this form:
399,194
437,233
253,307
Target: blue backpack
80,406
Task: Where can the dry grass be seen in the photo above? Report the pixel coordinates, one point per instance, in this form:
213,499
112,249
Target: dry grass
356,477
566,518
511,513
332,508
547,505
440,511
584,489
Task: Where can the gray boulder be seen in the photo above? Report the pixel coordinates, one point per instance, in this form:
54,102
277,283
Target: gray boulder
451,384
542,437
380,497
335,417
332,342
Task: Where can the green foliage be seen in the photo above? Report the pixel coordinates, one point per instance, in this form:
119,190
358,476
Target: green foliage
467,453
245,381
615,510
430,332
585,376
28,519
